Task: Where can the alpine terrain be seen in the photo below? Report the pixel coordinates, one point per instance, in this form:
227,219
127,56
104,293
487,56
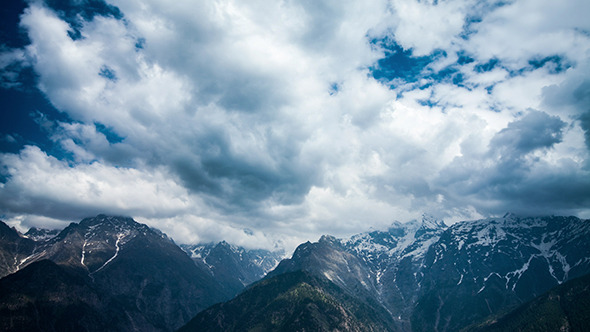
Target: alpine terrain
113,274
104,273
423,275
232,266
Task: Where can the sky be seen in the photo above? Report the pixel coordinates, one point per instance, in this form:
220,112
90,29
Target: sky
270,123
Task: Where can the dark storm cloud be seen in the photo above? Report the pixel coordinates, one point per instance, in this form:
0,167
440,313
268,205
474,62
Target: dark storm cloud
234,181
512,176
574,93
536,130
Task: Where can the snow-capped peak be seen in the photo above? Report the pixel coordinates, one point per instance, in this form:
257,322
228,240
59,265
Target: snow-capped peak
430,222
410,239
40,234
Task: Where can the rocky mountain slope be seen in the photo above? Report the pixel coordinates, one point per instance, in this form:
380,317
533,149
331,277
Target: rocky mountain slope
564,308
114,273
292,301
14,249
125,273
45,296
396,259
232,266
430,277
478,268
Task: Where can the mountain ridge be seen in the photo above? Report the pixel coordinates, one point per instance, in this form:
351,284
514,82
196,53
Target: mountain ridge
233,266
432,277
142,277
417,276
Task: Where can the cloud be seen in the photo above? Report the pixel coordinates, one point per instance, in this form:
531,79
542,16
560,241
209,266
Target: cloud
11,64
41,184
425,26
571,97
518,171
210,118
522,30
536,130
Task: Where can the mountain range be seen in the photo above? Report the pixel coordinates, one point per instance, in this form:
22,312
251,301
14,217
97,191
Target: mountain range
114,274
102,274
232,266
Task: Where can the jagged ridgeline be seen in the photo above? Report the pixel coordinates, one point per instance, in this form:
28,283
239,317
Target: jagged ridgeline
104,274
114,274
421,276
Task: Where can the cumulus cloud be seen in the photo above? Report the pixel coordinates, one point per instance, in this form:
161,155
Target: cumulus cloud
516,172
228,120
41,184
11,64
425,26
536,130
524,30
571,97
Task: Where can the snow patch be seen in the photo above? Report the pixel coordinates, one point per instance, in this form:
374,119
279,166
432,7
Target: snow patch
84,253
518,273
117,248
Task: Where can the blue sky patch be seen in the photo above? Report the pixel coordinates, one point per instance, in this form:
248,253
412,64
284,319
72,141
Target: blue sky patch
398,63
463,58
487,66
109,133
11,35
74,14
334,88
108,73
140,43
448,74
20,119
557,64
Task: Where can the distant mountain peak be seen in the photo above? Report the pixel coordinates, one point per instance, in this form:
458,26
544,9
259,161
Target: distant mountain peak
232,265
105,219
430,222
426,222
41,234
328,239
509,215
6,230
227,245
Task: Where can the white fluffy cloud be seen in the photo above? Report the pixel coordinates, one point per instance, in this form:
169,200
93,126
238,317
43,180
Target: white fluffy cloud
261,123
61,190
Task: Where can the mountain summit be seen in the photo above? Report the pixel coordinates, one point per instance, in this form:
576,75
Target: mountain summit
125,274
425,276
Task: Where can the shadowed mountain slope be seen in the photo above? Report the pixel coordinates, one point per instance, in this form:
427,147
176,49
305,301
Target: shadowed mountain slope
141,279
293,301
564,308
